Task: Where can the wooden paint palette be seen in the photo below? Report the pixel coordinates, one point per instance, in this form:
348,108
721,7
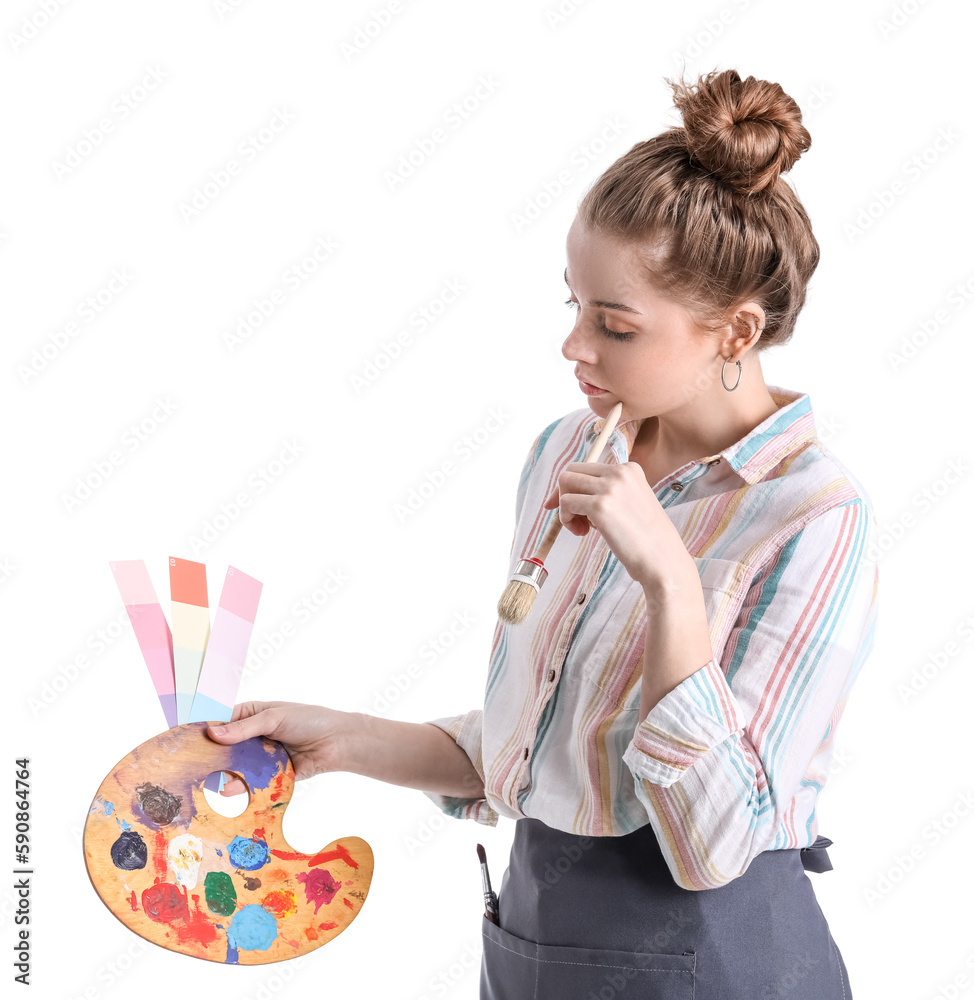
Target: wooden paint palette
219,888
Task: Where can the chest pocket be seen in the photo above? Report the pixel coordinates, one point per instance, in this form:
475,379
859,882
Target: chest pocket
725,583
612,667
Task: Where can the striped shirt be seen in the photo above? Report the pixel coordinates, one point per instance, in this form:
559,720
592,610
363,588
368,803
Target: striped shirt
731,761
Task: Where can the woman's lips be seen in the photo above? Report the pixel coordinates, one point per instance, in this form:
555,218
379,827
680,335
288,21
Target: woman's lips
589,389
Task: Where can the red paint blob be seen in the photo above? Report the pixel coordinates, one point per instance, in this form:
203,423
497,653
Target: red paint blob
319,886
164,903
133,902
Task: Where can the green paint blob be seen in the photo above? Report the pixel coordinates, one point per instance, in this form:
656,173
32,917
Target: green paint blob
221,897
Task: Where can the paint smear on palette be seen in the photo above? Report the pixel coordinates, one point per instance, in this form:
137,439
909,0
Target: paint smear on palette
252,928
184,857
319,886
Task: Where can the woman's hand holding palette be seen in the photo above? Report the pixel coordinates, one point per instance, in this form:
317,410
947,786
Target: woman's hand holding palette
169,867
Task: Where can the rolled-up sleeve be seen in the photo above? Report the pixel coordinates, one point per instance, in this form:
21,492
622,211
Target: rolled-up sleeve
720,760
466,732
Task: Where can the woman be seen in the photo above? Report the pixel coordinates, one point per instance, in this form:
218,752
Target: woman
661,724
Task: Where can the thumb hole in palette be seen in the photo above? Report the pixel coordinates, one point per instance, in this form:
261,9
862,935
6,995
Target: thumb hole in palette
234,797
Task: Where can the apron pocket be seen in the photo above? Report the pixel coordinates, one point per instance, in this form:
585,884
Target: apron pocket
516,969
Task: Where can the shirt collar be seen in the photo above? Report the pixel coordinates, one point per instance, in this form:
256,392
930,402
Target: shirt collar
783,433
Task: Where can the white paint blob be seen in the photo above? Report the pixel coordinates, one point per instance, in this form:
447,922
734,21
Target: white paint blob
185,855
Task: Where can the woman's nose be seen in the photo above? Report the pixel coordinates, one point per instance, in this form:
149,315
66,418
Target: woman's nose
576,346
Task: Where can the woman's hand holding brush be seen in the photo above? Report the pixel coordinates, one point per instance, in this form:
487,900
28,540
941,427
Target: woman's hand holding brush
619,503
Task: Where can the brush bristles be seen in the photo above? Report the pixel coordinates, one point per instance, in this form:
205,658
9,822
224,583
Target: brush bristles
516,602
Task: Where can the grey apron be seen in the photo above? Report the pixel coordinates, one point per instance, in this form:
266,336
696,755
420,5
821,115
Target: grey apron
599,918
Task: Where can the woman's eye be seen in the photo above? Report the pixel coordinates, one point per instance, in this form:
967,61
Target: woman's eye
614,334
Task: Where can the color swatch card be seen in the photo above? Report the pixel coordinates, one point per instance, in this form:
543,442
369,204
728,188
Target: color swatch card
226,651
190,628
151,630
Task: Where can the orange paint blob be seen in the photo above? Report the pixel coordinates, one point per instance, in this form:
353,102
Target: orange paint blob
281,903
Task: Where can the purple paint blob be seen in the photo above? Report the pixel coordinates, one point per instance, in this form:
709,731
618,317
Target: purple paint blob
319,886
258,767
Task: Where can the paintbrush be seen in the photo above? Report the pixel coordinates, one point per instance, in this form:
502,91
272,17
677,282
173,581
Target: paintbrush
490,897
518,597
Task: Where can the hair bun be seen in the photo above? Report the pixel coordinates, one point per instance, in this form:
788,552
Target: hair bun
746,132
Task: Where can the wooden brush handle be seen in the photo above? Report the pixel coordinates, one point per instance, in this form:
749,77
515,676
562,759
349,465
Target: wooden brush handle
594,453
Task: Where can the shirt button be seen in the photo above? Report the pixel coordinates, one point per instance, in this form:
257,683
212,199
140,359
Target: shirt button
551,675
676,486
713,461
581,597
525,753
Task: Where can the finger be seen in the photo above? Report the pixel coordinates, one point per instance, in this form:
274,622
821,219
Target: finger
233,787
246,709
263,723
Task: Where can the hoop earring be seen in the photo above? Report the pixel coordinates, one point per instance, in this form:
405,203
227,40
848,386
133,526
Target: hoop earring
740,371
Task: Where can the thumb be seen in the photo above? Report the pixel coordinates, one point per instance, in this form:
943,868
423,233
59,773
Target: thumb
552,500
261,724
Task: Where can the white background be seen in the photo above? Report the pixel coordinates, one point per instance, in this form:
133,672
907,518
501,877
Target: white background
875,94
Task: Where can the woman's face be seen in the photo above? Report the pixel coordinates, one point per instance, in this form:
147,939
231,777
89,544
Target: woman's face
628,339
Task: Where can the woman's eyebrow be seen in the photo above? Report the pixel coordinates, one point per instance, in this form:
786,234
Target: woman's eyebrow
602,304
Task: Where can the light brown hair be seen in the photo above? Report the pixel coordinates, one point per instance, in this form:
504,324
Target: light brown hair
706,209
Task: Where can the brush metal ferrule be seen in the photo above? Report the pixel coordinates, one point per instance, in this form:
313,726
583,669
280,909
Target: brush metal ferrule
531,572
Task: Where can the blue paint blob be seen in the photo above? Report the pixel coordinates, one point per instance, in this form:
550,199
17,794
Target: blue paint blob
248,854
219,853
109,808
252,928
